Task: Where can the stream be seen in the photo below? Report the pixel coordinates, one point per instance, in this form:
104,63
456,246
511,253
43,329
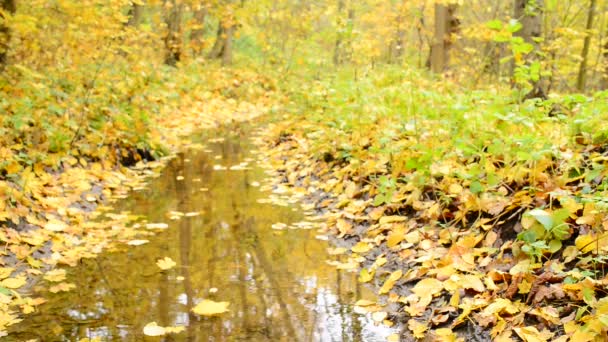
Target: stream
278,282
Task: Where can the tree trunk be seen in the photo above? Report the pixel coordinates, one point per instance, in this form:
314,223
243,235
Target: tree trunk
605,76
396,46
582,71
530,15
198,34
8,6
446,25
173,38
218,46
227,50
135,14
339,37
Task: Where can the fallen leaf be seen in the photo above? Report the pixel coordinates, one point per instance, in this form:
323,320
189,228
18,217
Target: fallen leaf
62,287
418,329
210,308
13,283
379,316
55,275
55,225
531,334
166,263
157,226
390,282
137,242
361,247
153,329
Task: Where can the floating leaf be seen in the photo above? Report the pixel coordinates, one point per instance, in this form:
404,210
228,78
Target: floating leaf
166,263
157,226
153,329
62,287
379,316
137,242
210,308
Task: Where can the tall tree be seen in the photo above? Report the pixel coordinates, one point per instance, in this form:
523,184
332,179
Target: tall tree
173,39
198,32
582,71
396,46
218,46
340,35
6,6
446,24
604,82
222,48
530,14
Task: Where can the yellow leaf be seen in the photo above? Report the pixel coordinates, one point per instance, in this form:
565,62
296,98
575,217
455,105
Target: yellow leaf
55,275
55,225
166,263
343,227
393,338
391,219
418,329
361,247
591,242
366,275
174,330
157,226
427,286
379,316
137,242
13,283
153,329
210,308
531,334
62,287
470,281
364,302
5,272
390,282
396,236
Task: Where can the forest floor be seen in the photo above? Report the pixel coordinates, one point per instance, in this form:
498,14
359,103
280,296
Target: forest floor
472,214
58,210
475,217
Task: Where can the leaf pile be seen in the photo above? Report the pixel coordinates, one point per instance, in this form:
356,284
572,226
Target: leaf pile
468,212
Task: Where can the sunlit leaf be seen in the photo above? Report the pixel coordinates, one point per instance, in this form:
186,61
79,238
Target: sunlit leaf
210,308
165,263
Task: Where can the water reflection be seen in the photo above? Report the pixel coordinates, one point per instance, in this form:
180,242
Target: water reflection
277,282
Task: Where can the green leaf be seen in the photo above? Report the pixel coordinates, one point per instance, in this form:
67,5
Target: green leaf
555,245
494,24
561,231
476,187
514,26
5,291
542,217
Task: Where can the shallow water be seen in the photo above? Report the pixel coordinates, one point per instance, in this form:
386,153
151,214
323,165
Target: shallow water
277,281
